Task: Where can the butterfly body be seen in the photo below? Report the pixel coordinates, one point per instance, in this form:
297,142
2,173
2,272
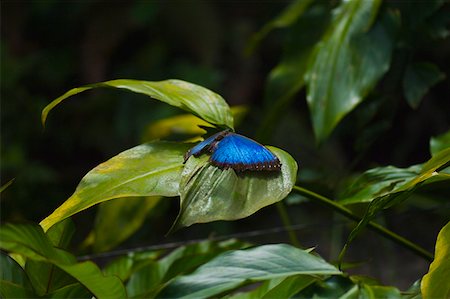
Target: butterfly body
231,150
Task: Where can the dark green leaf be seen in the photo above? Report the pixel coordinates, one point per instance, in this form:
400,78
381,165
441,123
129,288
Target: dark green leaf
14,282
348,62
148,278
278,288
346,288
46,277
439,143
400,192
75,290
377,182
287,17
31,242
195,99
235,268
124,266
287,78
146,170
418,79
209,193
435,284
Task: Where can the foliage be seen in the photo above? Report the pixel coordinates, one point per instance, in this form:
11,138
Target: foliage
435,282
357,63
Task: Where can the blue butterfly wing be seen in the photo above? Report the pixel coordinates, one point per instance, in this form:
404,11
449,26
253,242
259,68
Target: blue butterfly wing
241,153
204,146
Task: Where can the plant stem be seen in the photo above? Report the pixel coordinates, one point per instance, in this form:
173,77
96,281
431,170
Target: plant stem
372,225
287,224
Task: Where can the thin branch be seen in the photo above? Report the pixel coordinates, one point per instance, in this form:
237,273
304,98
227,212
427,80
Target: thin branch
372,225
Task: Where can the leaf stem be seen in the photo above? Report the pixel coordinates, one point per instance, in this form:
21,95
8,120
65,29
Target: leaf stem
287,224
372,225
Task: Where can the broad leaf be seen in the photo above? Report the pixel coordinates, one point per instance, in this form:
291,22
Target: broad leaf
287,17
31,242
128,214
146,170
418,79
46,277
278,288
124,266
209,193
149,278
353,55
235,268
440,143
75,290
195,99
14,282
345,288
435,284
377,182
400,192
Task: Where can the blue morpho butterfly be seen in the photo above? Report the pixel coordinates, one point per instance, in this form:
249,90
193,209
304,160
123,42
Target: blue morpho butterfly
231,150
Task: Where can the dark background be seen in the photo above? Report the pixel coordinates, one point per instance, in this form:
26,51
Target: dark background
48,47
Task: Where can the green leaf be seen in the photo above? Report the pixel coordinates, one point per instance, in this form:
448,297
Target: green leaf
31,242
46,277
439,143
75,290
418,79
146,275
352,287
347,63
195,99
235,268
399,193
287,17
209,193
14,282
278,288
146,170
124,266
435,282
128,213
377,182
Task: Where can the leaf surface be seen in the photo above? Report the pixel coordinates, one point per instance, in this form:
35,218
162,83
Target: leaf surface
209,193
235,268
418,79
30,241
146,170
352,56
193,98
435,284
14,282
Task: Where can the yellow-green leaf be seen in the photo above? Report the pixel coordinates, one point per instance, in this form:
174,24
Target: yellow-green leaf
435,284
151,169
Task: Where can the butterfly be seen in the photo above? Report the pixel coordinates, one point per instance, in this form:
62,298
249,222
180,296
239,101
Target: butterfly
231,150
